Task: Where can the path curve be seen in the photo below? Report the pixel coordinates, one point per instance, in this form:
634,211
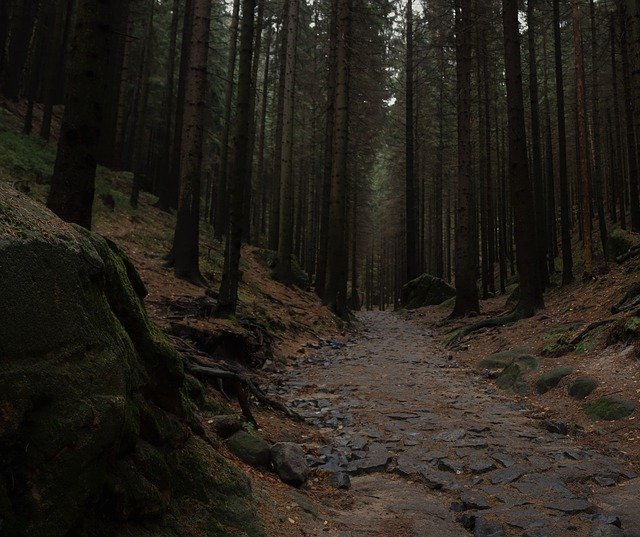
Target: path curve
433,449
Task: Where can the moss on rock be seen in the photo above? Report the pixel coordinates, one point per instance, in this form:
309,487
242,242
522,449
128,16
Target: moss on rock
426,290
624,330
620,241
582,387
501,360
512,379
93,398
610,409
549,380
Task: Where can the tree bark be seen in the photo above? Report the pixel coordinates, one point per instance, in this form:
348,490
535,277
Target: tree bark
521,198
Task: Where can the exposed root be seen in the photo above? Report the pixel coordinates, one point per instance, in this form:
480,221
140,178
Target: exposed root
593,326
631,300
634,251
457,335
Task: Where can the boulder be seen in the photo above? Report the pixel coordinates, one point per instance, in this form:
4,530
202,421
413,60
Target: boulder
610,408
226,425
549,380
251,449
95,416
426,290
270,259
290,463
620,242
582,387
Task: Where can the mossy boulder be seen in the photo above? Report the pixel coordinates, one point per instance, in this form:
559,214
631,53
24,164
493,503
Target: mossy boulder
549,380
582,387
426,290
93,397
610,408
620,242
512,379
270,260
501,360
251,449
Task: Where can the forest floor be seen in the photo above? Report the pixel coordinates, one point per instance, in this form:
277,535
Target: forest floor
425,435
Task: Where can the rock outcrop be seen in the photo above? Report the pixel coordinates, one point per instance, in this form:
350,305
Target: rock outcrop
97,433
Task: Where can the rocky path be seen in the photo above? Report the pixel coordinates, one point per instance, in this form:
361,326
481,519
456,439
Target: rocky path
432,449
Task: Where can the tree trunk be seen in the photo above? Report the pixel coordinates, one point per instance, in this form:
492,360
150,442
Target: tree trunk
337,266
186,240
629,114
166,180
465,262
73,181
565,207
221,216
241,166
286,227
521,195
411,218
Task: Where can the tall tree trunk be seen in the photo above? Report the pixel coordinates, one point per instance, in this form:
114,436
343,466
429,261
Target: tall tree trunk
166,189
274,213
583,152
241,166
221,217
411,218
466,262
619,169
632,156
186,240
286,227
565,207
73,181
336,277
521,199
321,261
549,171
536,145
25,13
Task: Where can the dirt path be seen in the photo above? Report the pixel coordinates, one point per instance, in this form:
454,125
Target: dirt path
430,447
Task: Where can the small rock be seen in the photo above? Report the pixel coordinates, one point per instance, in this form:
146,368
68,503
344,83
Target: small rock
570,505
451,435
480,466
290,463
474,501
604,481
487,528
340,480
251,449
435,480
448,465
226,425
556,427
606,530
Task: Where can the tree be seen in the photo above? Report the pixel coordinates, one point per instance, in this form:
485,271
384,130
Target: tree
221,215
411,217
73,181
241,167
521,195
185,252
565,209
337,260
466,262
285,222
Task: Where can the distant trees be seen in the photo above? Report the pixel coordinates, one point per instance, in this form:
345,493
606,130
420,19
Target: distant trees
383,141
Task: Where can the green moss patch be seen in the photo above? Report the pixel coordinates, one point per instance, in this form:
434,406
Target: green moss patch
610,409
512,379
582,387
549,380
624,331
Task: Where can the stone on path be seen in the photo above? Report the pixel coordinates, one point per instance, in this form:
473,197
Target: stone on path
290,463
251,449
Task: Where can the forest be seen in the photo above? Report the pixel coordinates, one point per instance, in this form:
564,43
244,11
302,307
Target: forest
319,267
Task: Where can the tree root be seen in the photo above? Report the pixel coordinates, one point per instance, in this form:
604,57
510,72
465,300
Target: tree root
456,336
582,335
207,372
634,251
630,300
